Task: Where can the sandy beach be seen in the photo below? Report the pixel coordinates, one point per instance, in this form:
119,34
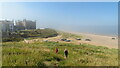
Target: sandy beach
99,40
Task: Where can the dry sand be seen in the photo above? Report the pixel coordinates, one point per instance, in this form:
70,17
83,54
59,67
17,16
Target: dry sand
99,40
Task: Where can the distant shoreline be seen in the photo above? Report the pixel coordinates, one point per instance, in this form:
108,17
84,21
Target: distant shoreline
78,33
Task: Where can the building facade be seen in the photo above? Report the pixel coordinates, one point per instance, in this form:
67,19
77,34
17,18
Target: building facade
19,25
29,24
7,26
25,24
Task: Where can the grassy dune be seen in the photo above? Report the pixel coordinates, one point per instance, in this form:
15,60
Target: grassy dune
68,35
43,54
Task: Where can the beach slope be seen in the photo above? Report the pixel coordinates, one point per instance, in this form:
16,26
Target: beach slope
99,40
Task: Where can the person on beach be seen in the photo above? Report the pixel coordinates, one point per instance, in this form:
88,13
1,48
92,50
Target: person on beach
56,51
66,53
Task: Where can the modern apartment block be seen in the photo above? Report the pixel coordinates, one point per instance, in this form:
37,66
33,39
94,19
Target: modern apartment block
7,26
29,24
25,24
10,26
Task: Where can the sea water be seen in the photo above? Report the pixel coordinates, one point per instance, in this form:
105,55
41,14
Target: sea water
100,30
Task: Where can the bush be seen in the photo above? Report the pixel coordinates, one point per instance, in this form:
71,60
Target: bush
43,33
40,64
10,39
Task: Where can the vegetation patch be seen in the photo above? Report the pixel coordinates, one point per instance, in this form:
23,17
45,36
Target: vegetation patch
35,54
68,35
20,35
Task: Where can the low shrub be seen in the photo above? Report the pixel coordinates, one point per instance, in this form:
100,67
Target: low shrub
11,39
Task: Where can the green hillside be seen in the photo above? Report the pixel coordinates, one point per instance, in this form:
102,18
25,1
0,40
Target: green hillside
43,54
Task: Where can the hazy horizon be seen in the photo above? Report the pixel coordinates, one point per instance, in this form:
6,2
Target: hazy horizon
91,17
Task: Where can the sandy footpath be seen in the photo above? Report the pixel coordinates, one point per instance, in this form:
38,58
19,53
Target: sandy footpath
99,40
